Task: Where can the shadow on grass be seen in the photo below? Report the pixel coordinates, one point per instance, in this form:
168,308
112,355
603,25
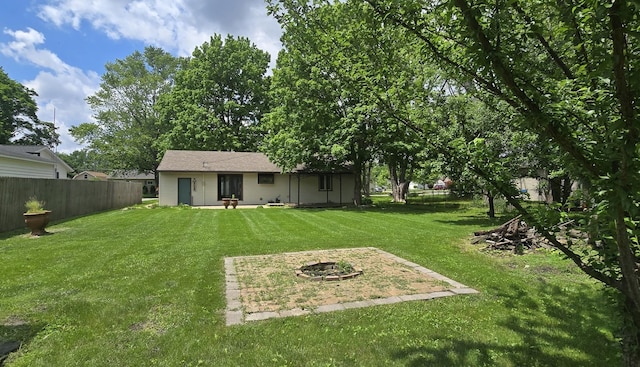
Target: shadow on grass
14,334
479,221
25,231
396,208
555,329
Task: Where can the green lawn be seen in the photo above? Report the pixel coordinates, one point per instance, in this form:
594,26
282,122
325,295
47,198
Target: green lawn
145,287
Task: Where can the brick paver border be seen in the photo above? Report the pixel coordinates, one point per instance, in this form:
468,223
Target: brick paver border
235,316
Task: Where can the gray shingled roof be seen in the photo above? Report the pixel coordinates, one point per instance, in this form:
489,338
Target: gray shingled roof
29,152
131,175
214,161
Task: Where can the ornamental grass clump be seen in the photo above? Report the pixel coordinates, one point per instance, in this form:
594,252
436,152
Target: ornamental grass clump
33,205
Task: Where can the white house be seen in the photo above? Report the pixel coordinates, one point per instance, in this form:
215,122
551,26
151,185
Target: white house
205,177
31,161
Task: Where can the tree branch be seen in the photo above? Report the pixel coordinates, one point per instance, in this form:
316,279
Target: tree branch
533,109
506,192
491,87
545,44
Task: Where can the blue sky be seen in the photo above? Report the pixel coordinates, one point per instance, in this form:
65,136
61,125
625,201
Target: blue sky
59,47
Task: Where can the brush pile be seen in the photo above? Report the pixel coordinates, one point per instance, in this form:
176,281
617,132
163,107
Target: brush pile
514,235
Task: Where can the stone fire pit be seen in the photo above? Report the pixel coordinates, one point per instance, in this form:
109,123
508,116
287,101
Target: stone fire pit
328,270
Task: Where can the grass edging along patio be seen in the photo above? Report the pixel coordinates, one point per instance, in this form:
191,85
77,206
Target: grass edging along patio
147,287
280,274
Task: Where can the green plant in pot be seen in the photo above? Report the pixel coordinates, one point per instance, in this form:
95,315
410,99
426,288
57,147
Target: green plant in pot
36,217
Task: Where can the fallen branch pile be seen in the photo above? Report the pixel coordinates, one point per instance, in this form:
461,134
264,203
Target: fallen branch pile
514,235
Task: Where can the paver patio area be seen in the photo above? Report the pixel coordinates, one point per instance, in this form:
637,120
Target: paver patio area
266,286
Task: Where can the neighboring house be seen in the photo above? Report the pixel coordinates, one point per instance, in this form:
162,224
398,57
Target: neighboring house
205,177
532,188
91,176
31,161
147,180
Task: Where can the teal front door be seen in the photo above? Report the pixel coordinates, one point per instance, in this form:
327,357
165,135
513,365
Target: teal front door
184,191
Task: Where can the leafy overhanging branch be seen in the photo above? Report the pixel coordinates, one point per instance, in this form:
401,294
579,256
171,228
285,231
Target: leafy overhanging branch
507,191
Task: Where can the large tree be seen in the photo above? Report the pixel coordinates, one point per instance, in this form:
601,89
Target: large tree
572,70
334,108
219,97
127,128
19,123
316,122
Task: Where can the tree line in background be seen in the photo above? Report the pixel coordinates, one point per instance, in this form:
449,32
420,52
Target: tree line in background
319,108
152,101
482,92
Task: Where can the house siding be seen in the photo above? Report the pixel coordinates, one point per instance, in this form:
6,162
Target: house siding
63,172
310,193
204,189
10,167
531,186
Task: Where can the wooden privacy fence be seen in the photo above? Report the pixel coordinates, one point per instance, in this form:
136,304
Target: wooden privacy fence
65,198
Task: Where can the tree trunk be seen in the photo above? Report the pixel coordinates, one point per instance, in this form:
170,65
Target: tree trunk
492,207
566,189
357,187
630,338
555,185
630,288
357,190
560,189
399,183
366,179
399,191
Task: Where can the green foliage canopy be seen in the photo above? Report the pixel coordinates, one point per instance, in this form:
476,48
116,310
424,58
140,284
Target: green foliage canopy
219,97
127,128
19,123
572,71
335,83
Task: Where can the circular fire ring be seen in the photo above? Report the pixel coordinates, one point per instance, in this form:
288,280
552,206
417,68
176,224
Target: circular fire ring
328,270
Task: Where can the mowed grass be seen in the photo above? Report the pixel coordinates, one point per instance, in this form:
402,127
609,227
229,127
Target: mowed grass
145,287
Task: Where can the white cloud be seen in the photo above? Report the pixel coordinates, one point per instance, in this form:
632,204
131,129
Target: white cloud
60,87
24,47
177,26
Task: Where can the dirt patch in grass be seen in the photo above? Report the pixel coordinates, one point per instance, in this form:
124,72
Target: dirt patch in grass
269,282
